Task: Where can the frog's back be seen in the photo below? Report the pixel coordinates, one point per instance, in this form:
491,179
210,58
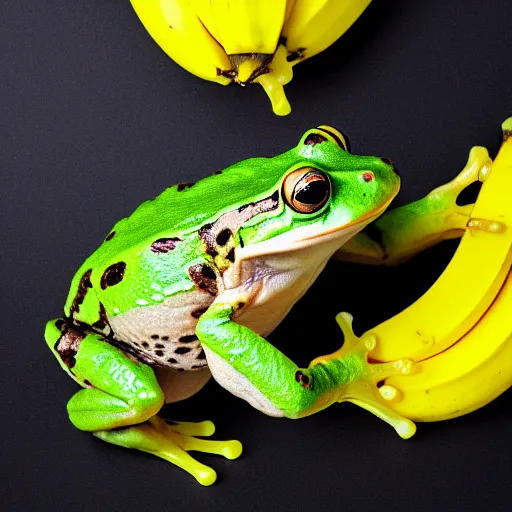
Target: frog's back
151,279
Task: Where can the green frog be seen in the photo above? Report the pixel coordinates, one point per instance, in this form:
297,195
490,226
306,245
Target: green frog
193,281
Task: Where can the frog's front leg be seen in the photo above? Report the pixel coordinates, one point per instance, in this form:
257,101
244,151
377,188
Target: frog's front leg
251,368
121,400
401,233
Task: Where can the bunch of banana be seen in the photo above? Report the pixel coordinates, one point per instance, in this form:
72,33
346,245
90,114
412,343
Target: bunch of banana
450,352
247,40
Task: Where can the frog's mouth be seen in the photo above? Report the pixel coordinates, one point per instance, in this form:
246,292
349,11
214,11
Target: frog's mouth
330,239
358,223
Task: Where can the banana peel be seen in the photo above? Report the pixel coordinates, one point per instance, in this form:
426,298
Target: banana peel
247,41
450,352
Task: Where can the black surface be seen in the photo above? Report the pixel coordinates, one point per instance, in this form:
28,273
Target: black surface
95,119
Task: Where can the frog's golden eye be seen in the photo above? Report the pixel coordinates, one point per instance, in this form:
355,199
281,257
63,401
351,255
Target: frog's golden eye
306,190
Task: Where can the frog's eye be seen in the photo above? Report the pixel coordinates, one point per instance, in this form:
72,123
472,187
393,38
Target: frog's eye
306,190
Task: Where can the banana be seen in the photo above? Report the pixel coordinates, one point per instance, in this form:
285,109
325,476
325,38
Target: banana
246,41
313,25
465,319
243,27
178,31
469,375
468,285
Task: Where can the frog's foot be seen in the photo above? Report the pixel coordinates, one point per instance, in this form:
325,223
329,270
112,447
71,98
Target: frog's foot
405,231
172,442
363,388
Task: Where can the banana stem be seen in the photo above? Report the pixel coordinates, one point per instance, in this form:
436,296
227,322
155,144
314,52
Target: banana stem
275,91
279,74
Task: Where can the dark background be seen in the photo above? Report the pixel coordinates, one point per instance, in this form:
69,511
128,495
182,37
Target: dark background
95,118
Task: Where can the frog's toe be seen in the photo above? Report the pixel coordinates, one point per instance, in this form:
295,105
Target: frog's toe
205,476
201,429
228,449
232,449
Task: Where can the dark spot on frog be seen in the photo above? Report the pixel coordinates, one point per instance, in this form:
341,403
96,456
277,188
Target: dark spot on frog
198,312
204,278
67,346
165,338
159,345
231,255
185,185
223,237
155,336
83,286
145,344
208,272
159,353
172,360
188,338
201,355
313,138
164,245
61,324
303,380
113,275
182,350
102,323
339,142
110,236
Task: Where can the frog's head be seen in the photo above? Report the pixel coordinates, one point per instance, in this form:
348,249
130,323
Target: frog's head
321,192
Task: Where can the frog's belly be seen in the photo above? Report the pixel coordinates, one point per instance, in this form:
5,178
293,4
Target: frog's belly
164,334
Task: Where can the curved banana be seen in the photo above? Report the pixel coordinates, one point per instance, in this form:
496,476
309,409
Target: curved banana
469,375
466,360
468,285
247,41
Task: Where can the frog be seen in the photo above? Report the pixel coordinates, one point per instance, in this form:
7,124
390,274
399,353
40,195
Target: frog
190,285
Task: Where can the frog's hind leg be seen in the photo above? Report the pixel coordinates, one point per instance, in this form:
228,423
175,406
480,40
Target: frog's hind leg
121,399
403,232
172,442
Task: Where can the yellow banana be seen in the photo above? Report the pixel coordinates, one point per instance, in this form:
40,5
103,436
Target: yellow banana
247,41
243,27
469,283
313,25
179,32
467,376
465,319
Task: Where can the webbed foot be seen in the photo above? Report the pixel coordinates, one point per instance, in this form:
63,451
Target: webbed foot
403,232
172,442
363,389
